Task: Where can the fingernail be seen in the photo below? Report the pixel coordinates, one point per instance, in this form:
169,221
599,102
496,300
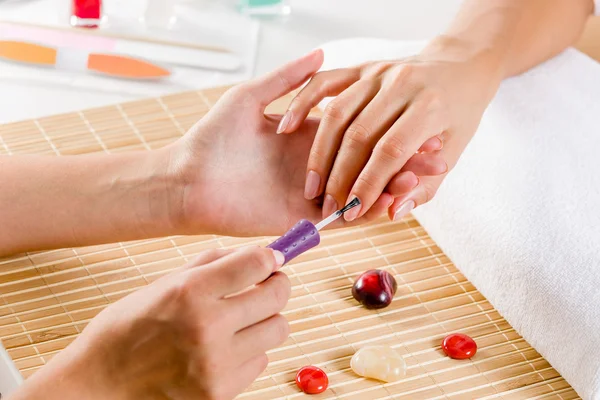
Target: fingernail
441,146
391,201
329,206
285,121
279,258
404,210
418,181
313,180
351,214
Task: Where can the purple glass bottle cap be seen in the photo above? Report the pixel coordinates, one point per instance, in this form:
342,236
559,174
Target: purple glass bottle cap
300,238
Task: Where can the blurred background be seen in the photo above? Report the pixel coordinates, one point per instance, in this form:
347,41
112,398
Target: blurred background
227,41
260,35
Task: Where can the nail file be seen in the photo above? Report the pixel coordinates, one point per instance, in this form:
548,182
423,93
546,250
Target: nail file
157,51
70,59
305,235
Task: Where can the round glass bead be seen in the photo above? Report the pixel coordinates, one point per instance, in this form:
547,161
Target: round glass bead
312,380
459,346
374,289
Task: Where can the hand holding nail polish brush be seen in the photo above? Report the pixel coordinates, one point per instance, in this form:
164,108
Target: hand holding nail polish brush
305,235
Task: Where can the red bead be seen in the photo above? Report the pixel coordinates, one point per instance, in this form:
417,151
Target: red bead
459,346
312,380
374,289
87,9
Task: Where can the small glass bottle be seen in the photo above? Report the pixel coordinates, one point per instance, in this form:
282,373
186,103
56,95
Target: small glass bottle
160,14
266,8
86,13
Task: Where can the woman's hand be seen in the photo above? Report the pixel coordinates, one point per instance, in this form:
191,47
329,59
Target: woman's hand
384,113
200,332
228,175
240,179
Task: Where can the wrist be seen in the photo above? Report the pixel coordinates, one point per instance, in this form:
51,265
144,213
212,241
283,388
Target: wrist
482,63
136,195
163,191
75,373
188,186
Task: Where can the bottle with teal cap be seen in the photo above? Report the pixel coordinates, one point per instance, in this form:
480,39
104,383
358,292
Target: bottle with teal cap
265,7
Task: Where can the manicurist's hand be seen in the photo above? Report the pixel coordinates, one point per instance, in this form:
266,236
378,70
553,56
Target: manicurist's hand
385,115
199,333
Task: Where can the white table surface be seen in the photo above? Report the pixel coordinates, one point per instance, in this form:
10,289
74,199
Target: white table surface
312,22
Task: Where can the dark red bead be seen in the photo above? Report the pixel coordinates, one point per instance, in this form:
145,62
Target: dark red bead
459,346
374,288
312,380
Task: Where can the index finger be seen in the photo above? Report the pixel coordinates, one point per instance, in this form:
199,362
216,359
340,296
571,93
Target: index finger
390,154
283,80
239,270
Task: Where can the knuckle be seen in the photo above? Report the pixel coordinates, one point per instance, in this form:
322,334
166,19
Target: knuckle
206,330
365,183
281,290
242,94
261,259
430,190
335,185
235,91
377,68
181,291
391,148
357,136
402,73
333,112
200,258
282,329
284,81
432,99
319,78
316,159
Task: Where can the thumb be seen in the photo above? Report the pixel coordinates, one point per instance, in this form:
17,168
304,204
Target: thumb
283,80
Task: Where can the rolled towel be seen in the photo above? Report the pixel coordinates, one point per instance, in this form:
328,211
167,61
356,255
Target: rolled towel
520,213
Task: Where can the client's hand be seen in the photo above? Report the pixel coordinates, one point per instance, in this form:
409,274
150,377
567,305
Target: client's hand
241,179
383,114
200,332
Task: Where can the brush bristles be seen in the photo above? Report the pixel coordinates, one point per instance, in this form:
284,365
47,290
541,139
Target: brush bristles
355,202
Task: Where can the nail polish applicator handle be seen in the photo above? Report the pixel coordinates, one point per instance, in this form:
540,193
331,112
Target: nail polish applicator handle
305,235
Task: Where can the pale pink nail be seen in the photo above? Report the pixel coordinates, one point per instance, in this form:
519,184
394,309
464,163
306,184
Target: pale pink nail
279,258
313,180
329,206
404,209
285,121
351,214
390,202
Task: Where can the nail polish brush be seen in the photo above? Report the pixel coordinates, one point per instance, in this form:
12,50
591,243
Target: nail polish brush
305,235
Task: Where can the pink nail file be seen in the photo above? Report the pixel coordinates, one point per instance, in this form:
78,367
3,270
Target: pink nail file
305,235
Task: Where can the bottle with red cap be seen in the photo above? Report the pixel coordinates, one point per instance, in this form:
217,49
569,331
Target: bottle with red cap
86,13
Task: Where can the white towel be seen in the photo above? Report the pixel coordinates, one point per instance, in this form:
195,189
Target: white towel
520,213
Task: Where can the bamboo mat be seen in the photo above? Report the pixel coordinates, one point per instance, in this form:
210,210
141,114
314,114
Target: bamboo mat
47,298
